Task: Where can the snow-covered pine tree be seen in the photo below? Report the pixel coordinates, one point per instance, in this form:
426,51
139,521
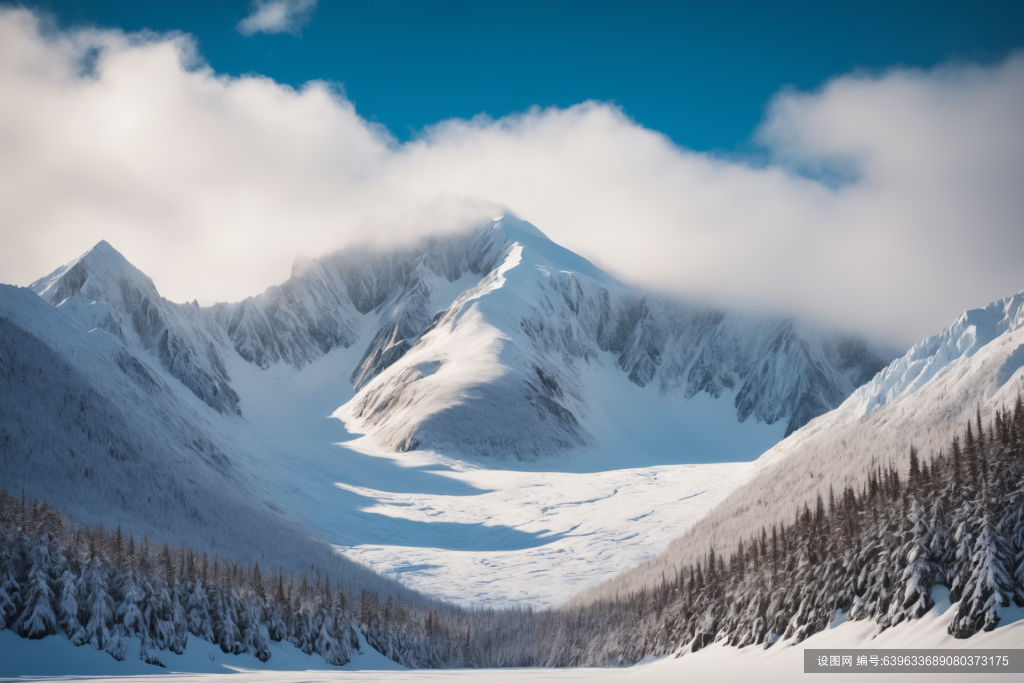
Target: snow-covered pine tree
873,585
225,613
98,606
37,618
707,623
128,613
252,614
1015,524
175,634
343,620
941,547
1013,518
10,597
197,603
150,606
847,519
802,589
305,627
919,574
832,591
966,520
987,583
327,642
68,603
277,613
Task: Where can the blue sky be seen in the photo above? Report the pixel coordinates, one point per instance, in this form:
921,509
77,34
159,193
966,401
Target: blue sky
702,73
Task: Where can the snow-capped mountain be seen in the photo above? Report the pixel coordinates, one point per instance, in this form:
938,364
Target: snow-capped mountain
481,341
519,343
494,345
921,399
988,329
101,289
926,395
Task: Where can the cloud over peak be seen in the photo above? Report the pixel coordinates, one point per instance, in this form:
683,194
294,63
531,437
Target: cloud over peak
212,184
277,16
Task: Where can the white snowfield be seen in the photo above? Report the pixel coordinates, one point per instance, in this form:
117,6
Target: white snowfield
527,537
202,662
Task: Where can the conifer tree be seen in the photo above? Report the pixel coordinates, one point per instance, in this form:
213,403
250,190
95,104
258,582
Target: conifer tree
37,619
99,609
10,597
987,583
277,625
129,612
68,606
919,574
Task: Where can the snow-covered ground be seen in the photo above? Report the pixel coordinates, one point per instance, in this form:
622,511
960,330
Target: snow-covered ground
55,657
530,537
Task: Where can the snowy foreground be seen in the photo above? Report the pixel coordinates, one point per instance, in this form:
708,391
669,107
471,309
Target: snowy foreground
54,657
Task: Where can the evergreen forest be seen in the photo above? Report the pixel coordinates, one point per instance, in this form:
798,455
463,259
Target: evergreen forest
881,551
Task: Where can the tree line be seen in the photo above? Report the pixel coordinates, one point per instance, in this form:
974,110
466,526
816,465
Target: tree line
954,521
99,588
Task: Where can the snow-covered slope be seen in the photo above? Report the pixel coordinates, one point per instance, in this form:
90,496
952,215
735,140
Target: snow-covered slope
109,438
948,352
102,290
926,395
920,399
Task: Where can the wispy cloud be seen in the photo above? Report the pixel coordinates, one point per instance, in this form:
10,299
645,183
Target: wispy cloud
277,16
212,184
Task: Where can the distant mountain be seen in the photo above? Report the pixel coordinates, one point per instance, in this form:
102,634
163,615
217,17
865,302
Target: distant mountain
922,399
482,343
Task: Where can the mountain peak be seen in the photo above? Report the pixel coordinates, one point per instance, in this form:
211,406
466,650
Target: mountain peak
101,263
104,255
512,222
529,235
973,330
104,247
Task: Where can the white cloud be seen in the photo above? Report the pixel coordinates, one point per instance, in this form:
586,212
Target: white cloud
212,185
277,16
